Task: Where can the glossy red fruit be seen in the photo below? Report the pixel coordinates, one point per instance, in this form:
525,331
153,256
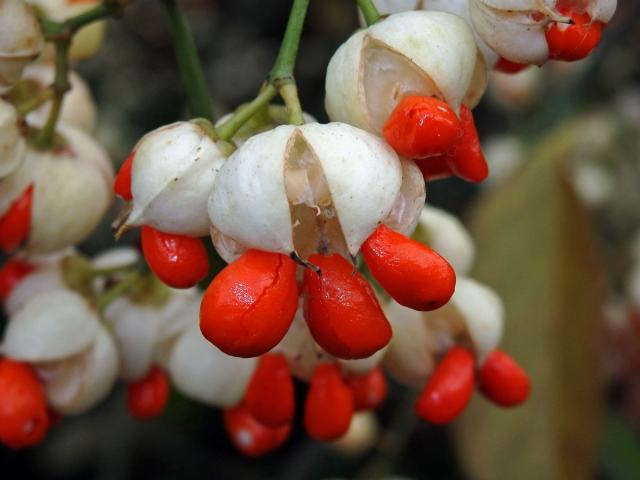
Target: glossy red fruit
342,311
329,405
15,224
503,381
249,435
177,260
412,273
576,41
24,418
420,127
449,389
249,306
507,66
369,390
465,157
122,184
11,274
270,396
148,396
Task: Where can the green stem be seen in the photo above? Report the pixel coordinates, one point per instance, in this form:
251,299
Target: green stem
285,62
61,34
188,61
369,11
60,86
117,291
281,79
227,130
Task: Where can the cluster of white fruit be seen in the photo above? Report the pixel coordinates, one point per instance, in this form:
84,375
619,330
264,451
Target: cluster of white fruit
290,209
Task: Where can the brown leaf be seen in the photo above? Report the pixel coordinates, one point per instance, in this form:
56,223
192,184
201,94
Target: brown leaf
537,249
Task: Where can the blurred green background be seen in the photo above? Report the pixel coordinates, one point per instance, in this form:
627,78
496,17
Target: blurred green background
555,231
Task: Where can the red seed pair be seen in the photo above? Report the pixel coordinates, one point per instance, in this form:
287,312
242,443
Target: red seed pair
15,224
330,403
178,260
148,397
576,41
250,305
24,415
428,130
452,383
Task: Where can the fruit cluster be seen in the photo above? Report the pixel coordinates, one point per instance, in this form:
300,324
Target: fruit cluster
336,267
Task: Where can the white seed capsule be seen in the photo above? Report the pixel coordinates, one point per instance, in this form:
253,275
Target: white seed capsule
363,433
173,171
12,146
478,311
140,330
51,326
202,372
410,356
43,280
420,53
474,316
88,40
515,29
446,235
305,189
76,384
71,191
21,40
78,107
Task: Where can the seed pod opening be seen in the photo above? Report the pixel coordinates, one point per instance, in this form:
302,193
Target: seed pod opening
173,171
304,189
417,53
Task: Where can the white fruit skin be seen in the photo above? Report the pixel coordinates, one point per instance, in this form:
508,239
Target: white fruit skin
202,372
88,40
410,356
515,36
140,330
173,171
363,433
85,384
438,43
249,201
21,40
12,146
78,108
72,191
602,10
51,326
363,173
43,280
459,8
447,236
483,312
416,341
405,214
